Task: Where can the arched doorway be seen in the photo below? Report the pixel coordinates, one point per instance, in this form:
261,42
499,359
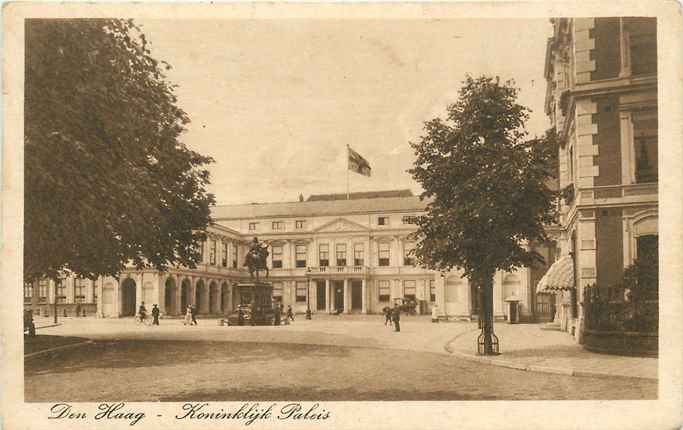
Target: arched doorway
128,298
214,298
170,305
225,298
185,297
200,297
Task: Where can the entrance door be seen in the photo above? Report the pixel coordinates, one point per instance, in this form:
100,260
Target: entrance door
128,298
356,295
339,295
320,296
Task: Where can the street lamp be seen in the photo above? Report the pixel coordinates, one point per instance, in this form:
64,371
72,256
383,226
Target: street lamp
308,301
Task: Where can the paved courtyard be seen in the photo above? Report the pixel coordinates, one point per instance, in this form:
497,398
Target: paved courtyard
330,358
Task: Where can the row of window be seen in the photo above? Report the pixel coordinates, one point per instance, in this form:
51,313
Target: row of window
213,245
301,224
340,255
383,291
79,291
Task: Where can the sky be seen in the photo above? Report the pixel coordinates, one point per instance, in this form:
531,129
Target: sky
275,102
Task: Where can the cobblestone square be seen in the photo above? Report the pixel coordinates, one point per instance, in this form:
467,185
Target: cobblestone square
329,358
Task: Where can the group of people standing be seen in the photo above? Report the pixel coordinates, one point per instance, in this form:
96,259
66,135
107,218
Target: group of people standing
280,312
142,313
190,316
392,317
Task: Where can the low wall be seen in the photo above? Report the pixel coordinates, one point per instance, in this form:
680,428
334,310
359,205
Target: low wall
622,342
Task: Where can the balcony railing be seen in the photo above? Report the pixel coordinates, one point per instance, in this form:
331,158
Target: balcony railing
331,270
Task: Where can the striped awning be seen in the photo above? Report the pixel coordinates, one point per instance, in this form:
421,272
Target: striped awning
560,276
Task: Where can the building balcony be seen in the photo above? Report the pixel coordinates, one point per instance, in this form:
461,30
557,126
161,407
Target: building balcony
338,270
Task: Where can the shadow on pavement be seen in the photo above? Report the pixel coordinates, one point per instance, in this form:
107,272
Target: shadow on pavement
152,353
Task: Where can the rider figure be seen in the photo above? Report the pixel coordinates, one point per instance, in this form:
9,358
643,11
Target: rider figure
256,257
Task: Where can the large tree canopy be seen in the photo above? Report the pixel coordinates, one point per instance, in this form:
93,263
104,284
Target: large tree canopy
485,183
107,180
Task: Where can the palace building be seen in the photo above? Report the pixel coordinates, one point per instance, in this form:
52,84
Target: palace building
601,97
327,253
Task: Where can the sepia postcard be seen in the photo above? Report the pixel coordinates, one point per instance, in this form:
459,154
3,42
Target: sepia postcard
337,215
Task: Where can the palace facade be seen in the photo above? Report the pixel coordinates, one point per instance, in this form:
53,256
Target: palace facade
327,253
601,78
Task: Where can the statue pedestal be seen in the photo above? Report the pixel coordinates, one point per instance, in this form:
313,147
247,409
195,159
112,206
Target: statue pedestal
257,299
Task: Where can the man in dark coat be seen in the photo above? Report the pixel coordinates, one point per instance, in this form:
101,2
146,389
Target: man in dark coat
155,314
396,317
277,315
290,313
387,315
193,311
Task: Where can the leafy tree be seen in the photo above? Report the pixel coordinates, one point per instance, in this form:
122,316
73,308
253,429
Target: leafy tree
486,185
107,179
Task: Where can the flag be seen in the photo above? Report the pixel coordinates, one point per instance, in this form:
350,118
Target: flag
357,163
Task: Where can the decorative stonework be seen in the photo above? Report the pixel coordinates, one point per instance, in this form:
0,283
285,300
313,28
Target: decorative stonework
583,45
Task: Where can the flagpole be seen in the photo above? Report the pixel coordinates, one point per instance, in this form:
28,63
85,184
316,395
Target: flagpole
347,172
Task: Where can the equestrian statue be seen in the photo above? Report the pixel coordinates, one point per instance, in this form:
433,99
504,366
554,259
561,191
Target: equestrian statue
256,259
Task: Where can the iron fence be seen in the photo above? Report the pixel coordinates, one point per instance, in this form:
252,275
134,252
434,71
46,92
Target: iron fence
618,309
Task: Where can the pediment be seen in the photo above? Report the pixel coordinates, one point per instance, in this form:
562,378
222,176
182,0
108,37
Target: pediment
341,225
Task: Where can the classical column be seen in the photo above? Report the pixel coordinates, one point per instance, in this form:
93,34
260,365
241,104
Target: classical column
138,290
160,293
178,296
328,307
312,295
117,297
191,292
347,296
333,294
364,296
99,284
89,292
439,283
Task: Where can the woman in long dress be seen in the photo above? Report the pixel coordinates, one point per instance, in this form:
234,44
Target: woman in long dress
188,316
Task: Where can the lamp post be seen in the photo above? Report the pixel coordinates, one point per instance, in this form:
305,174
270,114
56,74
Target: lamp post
308,301
58,282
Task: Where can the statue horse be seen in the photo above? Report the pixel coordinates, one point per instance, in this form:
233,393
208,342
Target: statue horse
255,261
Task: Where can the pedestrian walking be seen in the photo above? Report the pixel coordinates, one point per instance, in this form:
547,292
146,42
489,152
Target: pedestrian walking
193,312
277,320
188,316
155,314
142,312
240,316
387,316
396,317
290,313
435,314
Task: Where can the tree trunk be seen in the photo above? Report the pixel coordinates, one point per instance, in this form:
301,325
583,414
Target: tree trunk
487,307
56,282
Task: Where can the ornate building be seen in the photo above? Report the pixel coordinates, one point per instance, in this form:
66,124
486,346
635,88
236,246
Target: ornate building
601,96
327,253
